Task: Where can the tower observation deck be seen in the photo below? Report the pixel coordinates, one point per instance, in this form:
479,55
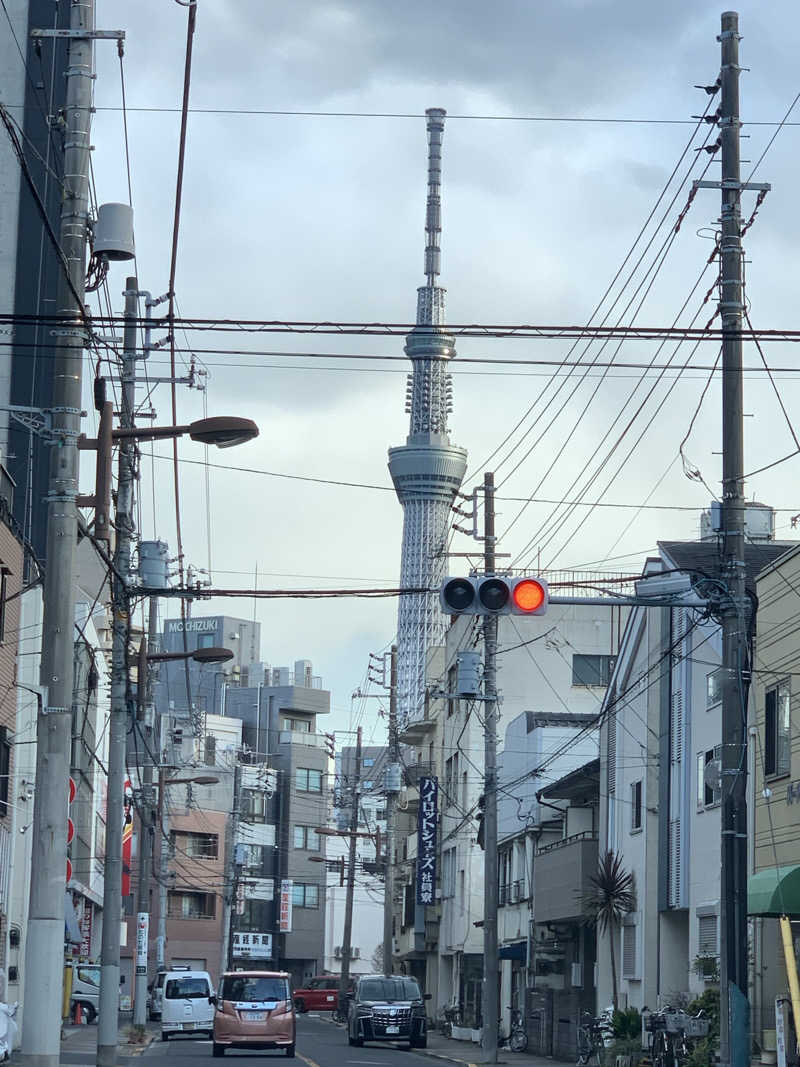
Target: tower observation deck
427,470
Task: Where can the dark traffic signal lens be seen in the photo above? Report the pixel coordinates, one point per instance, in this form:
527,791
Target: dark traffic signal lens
493,594
458,594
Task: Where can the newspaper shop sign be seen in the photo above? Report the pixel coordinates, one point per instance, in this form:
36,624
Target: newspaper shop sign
252,946
426,840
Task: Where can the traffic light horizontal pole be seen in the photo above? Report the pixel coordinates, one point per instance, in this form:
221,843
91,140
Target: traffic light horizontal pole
633,601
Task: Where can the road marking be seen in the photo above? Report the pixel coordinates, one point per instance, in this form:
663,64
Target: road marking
307,1059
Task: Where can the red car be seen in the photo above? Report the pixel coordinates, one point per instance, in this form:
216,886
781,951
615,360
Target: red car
321,994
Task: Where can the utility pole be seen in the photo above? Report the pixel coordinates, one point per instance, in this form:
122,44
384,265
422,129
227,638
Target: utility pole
734,1007
44,956
347,937
391,809
491,964
163,871
231,873
146,734
107,1027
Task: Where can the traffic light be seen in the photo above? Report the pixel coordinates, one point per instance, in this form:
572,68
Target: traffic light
494,596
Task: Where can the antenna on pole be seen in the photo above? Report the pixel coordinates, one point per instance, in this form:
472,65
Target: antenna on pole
430,303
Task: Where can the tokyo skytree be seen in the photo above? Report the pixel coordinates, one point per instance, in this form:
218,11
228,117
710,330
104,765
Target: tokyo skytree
427,470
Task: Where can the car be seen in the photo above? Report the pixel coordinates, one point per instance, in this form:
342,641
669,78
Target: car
320,994
387,1008
254,1010
187,1004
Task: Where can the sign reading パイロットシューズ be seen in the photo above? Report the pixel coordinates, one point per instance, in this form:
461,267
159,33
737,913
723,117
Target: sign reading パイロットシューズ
426,840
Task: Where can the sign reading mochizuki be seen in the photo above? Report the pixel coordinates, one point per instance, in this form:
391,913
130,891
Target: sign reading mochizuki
426,843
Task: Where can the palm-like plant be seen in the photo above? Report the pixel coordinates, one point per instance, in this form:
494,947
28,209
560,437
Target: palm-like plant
612,896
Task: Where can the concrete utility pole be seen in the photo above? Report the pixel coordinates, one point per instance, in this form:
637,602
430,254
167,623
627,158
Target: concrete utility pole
491,964
163,872
146,735
391,809
231,873
347,937
44,956
734,1007
107,1026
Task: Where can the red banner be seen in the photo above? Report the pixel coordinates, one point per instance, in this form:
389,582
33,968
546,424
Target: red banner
127,839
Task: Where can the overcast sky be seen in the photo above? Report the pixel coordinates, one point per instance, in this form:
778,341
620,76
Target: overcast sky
321,218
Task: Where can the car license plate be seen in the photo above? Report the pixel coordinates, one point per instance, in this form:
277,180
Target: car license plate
330,999
255,1016
188,1026
392,1029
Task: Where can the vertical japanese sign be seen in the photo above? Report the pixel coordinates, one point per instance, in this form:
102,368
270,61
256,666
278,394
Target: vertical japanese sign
142,937
127,838
286,906
86,930
426,840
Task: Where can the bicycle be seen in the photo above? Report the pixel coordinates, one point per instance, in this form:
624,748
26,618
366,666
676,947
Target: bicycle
517,1039
591,1040
451,1016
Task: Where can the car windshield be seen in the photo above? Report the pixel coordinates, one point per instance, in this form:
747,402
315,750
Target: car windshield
186,988
242,988
389,989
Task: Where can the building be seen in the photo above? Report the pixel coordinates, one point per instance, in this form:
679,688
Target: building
552,674
427,470
367,936
659,783
279,718
774,770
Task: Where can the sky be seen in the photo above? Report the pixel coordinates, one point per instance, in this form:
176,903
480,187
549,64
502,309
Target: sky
565,121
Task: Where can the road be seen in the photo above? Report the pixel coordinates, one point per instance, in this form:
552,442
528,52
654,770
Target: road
319,1044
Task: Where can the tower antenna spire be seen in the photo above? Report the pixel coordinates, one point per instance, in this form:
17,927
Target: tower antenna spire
430,301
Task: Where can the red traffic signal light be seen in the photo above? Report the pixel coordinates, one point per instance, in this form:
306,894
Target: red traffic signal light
494,595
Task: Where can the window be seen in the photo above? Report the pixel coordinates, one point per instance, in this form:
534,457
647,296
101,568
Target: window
307,780
253,806
636,805
713,688
708,784
187,989
368,784
297,726
252,856
4,572
592,670
206,640
706,935
452,682
305,895
210,750
307,838
186,904
504,877
449,873
197,846
629,950
777,730
5,771
245,988
368,763
380,814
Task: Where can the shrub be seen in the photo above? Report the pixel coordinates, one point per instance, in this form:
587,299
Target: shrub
627,1024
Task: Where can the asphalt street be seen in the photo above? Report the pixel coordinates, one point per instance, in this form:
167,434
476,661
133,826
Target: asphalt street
319,1044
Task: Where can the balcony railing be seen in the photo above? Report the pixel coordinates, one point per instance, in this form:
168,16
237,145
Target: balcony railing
562,875
584,835
414,771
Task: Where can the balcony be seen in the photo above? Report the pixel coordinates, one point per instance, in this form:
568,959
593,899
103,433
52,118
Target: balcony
414,733
561,878
301,737
414,771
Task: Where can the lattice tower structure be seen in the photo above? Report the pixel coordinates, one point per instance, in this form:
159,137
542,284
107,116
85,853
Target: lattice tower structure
427,470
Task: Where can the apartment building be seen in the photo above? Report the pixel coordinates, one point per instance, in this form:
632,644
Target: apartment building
659,783
549,666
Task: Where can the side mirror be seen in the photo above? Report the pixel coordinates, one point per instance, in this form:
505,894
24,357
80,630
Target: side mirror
350,994
212,999
427,996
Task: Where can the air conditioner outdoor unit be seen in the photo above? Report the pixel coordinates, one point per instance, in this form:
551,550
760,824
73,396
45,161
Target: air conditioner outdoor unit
355,953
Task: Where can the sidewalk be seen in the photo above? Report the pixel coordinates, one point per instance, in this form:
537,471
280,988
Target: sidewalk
445,1048
83,1039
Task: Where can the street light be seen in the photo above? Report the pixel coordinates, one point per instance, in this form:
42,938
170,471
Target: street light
200,779
199,655
224,431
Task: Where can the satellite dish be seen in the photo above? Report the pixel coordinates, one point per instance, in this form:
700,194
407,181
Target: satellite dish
712,775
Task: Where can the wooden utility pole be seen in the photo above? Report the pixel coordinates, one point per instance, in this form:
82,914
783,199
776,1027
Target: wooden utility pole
347,937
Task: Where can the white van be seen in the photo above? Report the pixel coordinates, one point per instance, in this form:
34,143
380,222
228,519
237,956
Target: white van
186,1005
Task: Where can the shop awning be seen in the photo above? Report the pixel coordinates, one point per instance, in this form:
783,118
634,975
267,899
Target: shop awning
775,891
517,951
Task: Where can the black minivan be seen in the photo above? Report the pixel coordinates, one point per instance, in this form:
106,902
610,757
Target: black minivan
387,1008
